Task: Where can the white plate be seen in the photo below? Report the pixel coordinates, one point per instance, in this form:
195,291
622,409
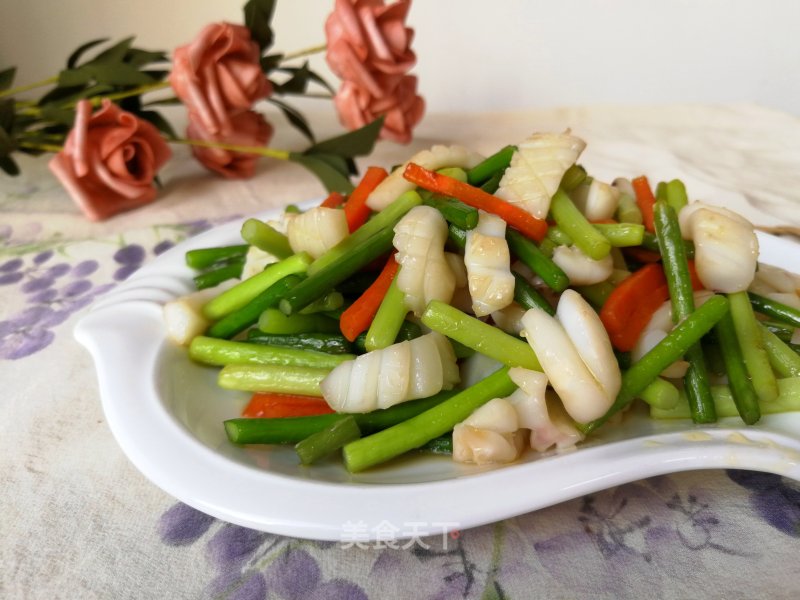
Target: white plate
166,413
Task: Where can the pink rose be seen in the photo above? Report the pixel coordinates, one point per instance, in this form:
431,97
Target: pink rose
109,160
219,75
367,39
402,109
248,129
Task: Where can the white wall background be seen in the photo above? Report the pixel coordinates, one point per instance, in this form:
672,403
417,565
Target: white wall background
486,54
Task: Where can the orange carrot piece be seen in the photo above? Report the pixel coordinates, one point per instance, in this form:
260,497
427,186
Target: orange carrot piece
696,283
359,315
356,209
642,255
629,307
646,201
274,406
517,218
334,200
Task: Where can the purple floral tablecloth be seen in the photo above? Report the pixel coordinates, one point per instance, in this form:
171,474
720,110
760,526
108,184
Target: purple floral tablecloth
78,521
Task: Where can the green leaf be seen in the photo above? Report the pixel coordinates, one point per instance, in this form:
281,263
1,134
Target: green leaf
270,62
307,74
331,178
340,163
119,74
155,75
73,59
295,118
57,114
113,55
7,145
59,93
74,77
359,142
258,19
297,83
73,94
138,57
7,113
7,78
8,166
111,74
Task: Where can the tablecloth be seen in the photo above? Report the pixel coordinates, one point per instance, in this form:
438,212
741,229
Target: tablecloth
78,521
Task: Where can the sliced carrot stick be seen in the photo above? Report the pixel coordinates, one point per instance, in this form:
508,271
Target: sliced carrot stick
359,315
645,200
696,283
273,406
629,307
475,197
642,255
356,209
334,200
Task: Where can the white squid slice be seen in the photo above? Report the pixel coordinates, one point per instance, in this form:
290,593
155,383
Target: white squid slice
657,328
597,200
437,157
496,415
425,275
183,317
726,247
646,342
393,379
488,435
624,186
792,300
777,279
457,267
488,262
427,376
363,390
256,261
483,446
450,372
509,319
536,169
334,387
317,230
412,369
584,328
548,424
563,434
583,396
580,268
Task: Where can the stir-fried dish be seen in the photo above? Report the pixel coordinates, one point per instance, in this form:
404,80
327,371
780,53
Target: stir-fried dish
487,307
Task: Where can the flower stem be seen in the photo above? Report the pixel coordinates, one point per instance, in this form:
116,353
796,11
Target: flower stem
137,91
268,152
30,86
43,147
97,100
304,52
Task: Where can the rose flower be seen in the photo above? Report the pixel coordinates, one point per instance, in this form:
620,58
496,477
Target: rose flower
369,47
366,38
219,75
109,160
402,108
247,129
